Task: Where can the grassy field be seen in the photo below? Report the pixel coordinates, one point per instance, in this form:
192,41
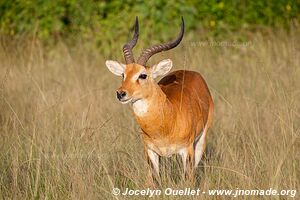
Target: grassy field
64,135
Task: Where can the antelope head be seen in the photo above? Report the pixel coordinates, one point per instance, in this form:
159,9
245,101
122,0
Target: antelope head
138,79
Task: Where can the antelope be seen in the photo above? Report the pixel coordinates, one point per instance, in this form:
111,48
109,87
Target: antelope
174,114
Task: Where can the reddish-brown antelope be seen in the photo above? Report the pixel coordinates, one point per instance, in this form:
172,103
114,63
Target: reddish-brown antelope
174,114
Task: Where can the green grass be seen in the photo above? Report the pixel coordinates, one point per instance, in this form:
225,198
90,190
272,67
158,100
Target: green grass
64,135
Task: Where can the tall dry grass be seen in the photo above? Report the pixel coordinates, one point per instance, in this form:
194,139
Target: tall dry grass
64,135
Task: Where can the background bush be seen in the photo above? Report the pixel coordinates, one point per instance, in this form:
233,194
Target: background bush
107,22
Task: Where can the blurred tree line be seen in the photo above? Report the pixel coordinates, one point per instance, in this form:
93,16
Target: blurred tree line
104,22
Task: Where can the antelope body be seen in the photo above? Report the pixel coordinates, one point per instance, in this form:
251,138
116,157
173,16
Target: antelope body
174,114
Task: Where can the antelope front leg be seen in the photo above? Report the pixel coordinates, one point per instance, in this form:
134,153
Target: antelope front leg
153,162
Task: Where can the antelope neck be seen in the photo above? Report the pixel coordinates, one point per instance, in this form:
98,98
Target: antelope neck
153,112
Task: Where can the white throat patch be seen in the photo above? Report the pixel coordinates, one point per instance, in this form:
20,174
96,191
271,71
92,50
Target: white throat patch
140,107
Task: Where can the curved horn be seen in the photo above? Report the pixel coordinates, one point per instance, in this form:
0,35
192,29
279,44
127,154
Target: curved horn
147,53
127,48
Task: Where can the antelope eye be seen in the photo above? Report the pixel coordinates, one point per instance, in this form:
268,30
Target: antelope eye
143,76
123,75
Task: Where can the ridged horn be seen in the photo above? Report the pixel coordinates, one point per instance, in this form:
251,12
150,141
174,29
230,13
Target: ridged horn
127,48
147,53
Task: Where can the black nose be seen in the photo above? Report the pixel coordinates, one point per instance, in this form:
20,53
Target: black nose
121,94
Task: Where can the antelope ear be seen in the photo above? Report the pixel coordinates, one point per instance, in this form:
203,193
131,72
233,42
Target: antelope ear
115,67
162,68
